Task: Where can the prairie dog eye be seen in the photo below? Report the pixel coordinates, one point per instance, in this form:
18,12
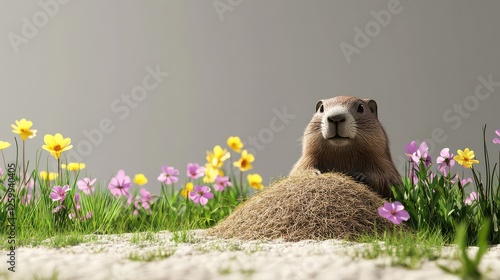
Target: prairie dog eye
361,108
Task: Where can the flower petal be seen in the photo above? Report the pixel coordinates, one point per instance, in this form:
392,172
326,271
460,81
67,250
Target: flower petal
403,215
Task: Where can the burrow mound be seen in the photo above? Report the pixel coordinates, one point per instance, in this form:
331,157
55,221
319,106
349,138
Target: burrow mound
306,206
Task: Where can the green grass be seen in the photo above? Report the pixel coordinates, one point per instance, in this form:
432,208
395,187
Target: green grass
182,236
401,248
170,211
150,256
469,268
54,276
147,237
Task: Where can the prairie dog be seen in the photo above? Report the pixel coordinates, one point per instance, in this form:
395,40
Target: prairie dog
345,136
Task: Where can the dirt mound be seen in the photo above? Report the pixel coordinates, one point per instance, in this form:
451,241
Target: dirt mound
306,206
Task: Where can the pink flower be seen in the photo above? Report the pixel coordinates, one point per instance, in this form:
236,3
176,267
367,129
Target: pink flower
394,212
471,198
195,171
168,176
59,193
71,216
131,199
201,195
89,215
1,172
86,185
26,200
136,208
445,161
465,181
411,148
59,207
120,184
77,201
421,155
146,199
496,140
221,183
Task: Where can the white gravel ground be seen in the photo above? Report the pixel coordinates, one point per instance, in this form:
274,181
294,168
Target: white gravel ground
115,257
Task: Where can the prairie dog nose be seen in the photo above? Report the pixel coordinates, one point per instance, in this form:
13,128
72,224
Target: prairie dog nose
337,118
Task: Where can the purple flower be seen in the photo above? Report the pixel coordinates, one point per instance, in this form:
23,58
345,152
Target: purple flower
26,200
422,155
77,201
59,207
394,212
86,185
465,181
471,198
136,208
146,199
89,215
59,193
411,148
131,199
201,194
445,161
221,182
120,184
496,140
168,176
195,171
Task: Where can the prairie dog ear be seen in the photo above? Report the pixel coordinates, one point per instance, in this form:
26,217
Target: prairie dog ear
372,104
319,106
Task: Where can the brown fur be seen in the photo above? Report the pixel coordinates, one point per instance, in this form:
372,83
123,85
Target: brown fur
367,152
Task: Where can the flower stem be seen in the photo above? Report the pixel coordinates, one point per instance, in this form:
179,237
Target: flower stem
59,168
24,163
4,163
241,183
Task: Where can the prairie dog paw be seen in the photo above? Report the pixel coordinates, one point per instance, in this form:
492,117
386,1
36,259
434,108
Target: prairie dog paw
362,178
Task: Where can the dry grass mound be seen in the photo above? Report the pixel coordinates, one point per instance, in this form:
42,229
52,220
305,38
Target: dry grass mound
306,206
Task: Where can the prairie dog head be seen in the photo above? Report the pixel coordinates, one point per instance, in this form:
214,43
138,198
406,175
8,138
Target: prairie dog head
344,119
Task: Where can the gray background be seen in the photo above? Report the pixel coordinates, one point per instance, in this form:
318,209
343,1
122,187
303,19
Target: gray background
229,70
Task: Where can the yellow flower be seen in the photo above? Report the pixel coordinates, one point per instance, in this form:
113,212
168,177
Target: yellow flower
255,181
22,128
74,166
217,157
56,144
234,142
48,176
211,174
245,162
185,192
4,145
465,158
140,179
